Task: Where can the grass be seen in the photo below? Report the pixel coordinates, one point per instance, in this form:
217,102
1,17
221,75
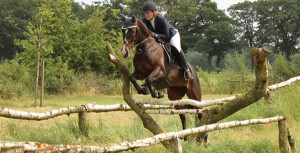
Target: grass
115,127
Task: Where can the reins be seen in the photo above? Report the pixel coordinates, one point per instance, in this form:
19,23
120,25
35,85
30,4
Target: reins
142,42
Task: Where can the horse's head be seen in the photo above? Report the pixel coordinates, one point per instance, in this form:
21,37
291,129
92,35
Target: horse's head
129,30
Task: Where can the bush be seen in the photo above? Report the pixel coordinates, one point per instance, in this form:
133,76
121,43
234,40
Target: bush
58,78
15,80
283,69
295,63
92,83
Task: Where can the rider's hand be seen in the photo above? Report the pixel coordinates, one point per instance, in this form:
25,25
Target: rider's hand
153,34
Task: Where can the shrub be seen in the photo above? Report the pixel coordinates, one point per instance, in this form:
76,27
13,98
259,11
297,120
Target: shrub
281,69
15,80
58,78
92,83
295,64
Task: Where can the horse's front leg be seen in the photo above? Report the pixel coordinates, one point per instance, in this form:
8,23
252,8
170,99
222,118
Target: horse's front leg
155,74
139,90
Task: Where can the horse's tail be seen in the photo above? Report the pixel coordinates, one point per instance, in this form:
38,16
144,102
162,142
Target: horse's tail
195,83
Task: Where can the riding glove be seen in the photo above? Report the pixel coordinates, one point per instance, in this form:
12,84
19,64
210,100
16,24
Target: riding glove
153,34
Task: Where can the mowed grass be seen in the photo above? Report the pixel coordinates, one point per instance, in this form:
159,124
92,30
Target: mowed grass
115,127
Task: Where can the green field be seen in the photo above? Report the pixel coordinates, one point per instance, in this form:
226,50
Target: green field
116,127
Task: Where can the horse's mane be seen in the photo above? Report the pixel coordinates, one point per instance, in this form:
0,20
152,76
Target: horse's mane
143,28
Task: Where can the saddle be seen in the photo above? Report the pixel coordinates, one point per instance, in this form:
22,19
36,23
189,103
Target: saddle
162,83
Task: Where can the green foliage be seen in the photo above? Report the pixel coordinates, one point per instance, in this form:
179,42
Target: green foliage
279,25
59,79
14,17
295,64
237,65
282,69
15,79
92,83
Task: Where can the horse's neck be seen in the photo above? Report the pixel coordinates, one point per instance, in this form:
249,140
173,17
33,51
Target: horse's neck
143,30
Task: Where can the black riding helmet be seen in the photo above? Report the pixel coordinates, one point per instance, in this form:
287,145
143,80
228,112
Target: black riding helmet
149,6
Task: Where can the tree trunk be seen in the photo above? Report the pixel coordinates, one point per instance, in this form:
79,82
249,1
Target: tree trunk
209,60
42,83
258,91
38,50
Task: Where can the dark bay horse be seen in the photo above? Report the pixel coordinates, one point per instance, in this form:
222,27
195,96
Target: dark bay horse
152,64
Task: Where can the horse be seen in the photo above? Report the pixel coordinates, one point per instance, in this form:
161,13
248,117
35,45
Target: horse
152,64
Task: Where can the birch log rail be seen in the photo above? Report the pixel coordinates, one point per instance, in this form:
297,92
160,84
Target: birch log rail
159,138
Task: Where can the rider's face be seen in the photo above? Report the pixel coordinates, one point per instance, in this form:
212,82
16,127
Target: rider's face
149,15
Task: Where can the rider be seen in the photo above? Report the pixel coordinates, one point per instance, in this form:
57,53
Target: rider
161,29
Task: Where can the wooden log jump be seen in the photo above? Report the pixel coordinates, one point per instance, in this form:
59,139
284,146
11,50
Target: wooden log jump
284,141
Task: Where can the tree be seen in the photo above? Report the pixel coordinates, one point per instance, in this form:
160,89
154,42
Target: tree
14,16
245,20
203,27
278,24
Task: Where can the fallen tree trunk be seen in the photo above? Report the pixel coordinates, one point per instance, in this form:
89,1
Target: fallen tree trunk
159,138
241,101
258,91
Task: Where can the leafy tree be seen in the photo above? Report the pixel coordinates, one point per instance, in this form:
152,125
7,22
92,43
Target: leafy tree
14,16
202,26
245,20
278,24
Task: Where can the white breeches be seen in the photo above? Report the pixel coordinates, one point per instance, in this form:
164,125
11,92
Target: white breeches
175,41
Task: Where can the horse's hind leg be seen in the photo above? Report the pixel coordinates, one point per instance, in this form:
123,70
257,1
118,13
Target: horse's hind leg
177,94
194,92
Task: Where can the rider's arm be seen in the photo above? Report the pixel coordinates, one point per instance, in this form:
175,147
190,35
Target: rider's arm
163,28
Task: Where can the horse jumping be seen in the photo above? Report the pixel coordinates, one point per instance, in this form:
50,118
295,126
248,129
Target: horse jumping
153,65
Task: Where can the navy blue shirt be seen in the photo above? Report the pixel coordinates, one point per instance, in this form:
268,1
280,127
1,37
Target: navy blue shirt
165,31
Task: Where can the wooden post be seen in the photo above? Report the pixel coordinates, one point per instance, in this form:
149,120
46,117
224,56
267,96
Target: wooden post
83,123
284,144
291,140
177,145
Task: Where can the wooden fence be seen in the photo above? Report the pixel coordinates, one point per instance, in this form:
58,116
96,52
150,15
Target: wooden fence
155,107
285,139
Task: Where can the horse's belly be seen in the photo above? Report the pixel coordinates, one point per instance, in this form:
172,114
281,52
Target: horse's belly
142,70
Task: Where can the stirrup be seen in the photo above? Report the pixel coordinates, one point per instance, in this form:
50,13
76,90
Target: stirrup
188,75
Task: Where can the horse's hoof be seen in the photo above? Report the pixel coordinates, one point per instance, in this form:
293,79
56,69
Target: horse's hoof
143,91
160,95
154,95
206,141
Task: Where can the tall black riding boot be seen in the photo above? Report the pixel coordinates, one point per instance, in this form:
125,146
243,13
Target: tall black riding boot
181,59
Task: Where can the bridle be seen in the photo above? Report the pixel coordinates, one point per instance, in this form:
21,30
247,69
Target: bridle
137,41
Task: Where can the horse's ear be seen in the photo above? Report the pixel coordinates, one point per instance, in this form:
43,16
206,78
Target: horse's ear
133,19
123,17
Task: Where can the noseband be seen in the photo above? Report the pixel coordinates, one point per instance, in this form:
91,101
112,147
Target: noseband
136,42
